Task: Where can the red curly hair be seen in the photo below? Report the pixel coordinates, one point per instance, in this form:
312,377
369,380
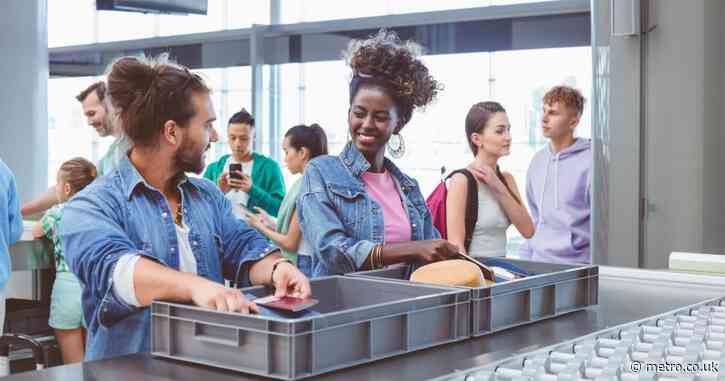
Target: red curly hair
568,96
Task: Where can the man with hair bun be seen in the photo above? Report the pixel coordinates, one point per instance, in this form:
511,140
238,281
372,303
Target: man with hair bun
147,231
558,184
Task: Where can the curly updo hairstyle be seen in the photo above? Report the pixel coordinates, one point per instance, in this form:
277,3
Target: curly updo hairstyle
149,92
384,61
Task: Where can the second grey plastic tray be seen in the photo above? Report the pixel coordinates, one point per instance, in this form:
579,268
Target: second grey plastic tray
358,320
552,290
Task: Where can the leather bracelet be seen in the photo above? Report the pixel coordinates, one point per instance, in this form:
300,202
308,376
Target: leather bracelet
274,268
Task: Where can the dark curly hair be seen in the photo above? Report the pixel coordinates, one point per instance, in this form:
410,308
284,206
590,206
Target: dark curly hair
385,61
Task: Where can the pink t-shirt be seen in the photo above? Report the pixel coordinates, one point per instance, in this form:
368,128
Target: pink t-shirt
381,188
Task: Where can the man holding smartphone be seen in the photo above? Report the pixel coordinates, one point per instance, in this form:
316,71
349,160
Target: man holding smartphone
248,179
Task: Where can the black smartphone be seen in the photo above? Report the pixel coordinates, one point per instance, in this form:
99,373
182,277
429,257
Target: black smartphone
233,168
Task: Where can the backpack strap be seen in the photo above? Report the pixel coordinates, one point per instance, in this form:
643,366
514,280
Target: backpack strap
471,204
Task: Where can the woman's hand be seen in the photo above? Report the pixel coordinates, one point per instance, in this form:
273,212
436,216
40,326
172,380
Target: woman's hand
488,176
253,220
435,250
264,218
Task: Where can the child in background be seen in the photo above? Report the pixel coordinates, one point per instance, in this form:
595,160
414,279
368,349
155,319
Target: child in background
66,315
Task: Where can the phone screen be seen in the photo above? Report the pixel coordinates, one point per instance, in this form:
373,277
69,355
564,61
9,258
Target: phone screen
233,168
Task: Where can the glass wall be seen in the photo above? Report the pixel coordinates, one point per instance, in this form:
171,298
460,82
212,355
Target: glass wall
77,22
70,136
293,11
317,92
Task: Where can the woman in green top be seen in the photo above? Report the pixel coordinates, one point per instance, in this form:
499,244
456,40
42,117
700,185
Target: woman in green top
66,315
301,144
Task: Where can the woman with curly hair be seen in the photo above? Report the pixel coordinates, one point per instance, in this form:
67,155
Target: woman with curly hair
358,210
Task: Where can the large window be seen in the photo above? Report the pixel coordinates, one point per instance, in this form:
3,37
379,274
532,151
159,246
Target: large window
70,136
77,22
317,92
294,11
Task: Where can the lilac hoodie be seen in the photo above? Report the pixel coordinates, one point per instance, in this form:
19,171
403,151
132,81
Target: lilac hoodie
558,193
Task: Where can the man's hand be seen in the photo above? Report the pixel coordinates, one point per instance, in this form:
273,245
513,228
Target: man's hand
227,183
245,184
209,294
289,281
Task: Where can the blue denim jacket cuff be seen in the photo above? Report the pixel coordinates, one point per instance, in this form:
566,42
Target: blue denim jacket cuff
242,278
112,308
361,251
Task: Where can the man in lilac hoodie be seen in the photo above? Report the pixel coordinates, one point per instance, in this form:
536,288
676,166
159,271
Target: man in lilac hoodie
558,184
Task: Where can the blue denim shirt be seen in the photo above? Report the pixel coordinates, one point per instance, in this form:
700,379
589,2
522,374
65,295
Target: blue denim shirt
121,214
341,221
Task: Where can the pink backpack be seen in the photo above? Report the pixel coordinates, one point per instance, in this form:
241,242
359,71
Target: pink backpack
437,204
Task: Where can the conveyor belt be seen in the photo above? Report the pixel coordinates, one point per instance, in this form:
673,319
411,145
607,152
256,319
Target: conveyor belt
686,344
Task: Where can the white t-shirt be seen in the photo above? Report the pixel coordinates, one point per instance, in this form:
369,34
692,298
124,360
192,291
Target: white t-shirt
123,272
238,197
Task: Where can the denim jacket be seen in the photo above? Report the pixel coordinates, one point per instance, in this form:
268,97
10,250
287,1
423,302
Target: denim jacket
341,221
121,214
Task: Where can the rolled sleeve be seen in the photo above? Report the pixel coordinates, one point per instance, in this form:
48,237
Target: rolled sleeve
123,285
93,242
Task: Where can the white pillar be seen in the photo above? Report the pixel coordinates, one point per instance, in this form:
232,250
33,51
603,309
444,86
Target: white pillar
24,93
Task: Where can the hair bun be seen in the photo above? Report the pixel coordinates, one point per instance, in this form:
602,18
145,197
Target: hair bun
397,63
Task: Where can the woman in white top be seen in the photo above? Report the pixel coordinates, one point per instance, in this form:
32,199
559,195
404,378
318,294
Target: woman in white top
499,201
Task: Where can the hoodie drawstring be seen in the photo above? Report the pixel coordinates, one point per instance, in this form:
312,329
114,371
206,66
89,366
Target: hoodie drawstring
543,190
556,180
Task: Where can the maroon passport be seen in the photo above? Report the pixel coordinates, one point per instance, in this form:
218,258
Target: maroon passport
286,303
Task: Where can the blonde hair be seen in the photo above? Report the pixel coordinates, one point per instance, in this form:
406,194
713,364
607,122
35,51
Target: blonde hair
77,173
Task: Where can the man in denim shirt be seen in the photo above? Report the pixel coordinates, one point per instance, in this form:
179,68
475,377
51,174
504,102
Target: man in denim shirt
147,232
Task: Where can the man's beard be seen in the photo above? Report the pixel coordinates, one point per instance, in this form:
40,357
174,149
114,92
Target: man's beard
106,126
186,158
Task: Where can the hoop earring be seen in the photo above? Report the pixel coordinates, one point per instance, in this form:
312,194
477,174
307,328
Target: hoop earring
396,146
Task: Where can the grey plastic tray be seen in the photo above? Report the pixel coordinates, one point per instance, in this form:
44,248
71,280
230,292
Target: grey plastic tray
553,290
360,320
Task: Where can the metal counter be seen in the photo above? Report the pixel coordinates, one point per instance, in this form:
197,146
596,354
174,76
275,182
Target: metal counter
30,254
34,255
625,295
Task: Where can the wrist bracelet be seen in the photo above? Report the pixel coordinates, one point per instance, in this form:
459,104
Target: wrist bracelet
274,268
